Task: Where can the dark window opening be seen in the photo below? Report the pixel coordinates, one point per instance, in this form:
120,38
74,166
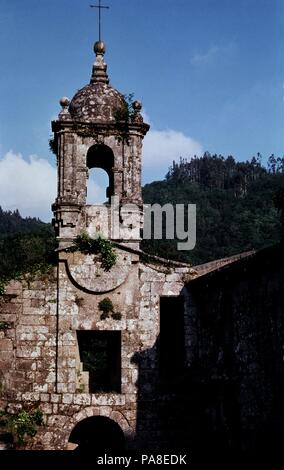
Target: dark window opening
100,353
172,350
101,156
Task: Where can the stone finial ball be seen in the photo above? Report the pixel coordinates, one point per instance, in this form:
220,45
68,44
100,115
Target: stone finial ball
137,105
64,102
99,47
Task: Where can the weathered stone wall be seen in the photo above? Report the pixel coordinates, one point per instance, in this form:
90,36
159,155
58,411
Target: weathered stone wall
39,350
230,391
159,409
115,222
239,352
27,347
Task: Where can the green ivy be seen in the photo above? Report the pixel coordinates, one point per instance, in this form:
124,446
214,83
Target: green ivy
123,116
23,423
3,282
106,305
53,145
116,315
126,112
99,245
4,325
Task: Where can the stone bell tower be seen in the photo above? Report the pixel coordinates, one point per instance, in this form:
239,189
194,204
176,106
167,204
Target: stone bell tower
99,129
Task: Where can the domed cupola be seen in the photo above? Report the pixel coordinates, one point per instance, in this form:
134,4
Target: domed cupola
98,101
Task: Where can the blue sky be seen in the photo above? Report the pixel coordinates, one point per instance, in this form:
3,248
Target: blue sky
209,73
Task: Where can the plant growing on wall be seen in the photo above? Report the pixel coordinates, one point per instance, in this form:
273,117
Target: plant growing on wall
85,244
125,113
123,116
22,424
4,325
106,306
53,145
116,315
3,283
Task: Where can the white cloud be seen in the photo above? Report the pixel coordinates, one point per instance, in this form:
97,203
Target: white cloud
212,54
199,59
28,185
162,147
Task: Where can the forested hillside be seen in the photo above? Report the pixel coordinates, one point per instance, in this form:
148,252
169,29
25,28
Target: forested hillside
26,245
11,223
235,205
235,212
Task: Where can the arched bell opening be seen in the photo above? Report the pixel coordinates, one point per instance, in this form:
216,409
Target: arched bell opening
100,157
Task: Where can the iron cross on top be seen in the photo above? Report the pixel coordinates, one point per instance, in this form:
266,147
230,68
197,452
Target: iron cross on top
100,7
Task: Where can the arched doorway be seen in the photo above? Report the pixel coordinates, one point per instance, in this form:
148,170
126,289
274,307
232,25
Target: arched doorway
98,434
101,156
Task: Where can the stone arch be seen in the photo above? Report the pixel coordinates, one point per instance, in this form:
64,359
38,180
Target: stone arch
115,419
90,411
101,156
